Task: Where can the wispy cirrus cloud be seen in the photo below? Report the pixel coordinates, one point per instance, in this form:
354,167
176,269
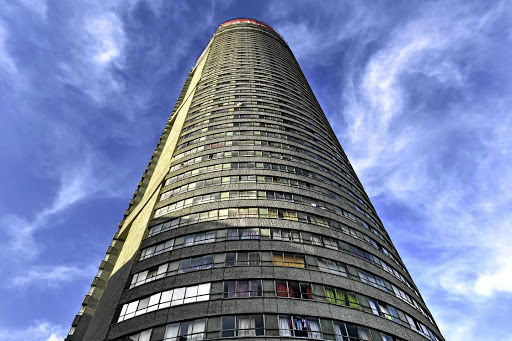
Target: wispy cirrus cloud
96,54
7,64
48,276
39,7
39,330
427,138
424,115
80,82
20,231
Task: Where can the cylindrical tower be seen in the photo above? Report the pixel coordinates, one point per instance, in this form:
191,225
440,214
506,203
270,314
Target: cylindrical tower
250,221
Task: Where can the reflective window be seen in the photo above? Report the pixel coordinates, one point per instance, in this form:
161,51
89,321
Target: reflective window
165,299
299,327
243,325
243,258
249,288
288,259
294,289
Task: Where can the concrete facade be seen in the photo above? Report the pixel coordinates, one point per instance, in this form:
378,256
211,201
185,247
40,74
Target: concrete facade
249,221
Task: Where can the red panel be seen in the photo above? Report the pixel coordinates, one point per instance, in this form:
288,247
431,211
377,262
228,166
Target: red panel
251,21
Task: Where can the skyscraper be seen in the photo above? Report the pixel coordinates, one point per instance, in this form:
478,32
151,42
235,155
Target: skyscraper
249,221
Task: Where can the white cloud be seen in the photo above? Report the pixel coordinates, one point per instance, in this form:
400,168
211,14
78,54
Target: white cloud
107,38
303,41
38,331
98,49
75,185
47,276
447,162
6,62
39,7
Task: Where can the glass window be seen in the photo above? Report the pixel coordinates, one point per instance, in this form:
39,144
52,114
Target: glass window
386,337
299,327
294,289
142,336
252,233
340,331
233,212
316,240
242,288
223,214
178,296
336,296
330,243
243,258
412,323
295,236
153,302
254,258
288,259
189,330
165,299
364,334
244,325
263,213
374,306
353,301
230,259
228,326
203,292
191,294
350,332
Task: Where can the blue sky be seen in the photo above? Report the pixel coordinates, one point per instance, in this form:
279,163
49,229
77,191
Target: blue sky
418,93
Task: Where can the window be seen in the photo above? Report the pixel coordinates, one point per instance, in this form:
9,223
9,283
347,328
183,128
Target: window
411,322
401,294
342,297
389,312
197,263
386,337
294,290
372,280
250,233
288,259
157,249
190,330
244,325
286,235
165,299
200,238
316,240
335,296
149,275
142,336
350,332
374,306
242,289
243,258
299,327
330,243
333,267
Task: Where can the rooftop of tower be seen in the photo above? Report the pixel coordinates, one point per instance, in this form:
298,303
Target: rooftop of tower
234,22
246,21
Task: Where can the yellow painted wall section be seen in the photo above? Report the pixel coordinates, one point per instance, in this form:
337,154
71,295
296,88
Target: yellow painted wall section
135,225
